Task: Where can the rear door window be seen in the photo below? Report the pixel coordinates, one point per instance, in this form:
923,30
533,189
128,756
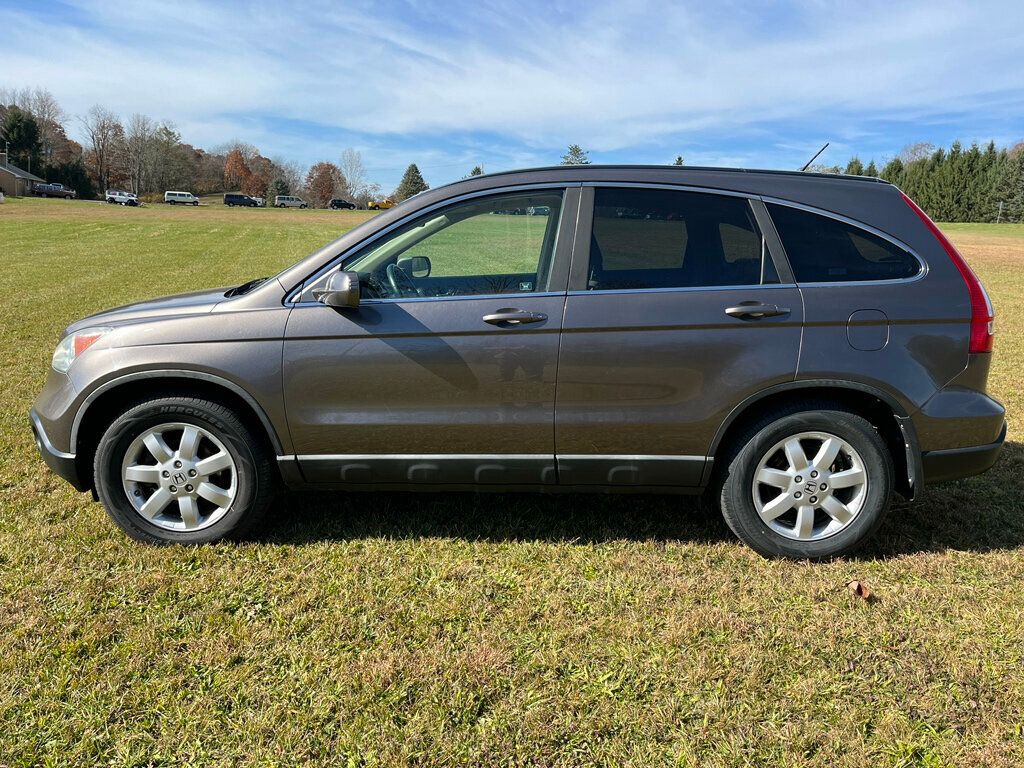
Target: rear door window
654,238
822,249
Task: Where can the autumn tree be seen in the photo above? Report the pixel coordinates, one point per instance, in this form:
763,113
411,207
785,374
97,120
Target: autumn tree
575,155
105,135
322,180
236,169
412,183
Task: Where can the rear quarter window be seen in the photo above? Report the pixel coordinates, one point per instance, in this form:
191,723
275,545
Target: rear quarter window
826,250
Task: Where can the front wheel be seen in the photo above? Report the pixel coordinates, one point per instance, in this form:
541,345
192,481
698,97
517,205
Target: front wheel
183,471
807,485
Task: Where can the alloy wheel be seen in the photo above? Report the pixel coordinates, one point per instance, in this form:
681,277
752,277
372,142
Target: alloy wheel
810,486
179,477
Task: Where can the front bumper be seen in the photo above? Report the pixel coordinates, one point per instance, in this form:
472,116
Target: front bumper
956,463
64,464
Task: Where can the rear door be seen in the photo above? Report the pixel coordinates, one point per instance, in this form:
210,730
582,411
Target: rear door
445,373
676,313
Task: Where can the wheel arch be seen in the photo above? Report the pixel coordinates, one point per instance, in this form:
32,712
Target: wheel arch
108,400
880,408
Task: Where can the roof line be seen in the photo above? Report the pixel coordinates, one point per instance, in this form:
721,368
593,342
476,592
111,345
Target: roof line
688,168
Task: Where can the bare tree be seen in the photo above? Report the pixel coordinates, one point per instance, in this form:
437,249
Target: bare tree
354,172
46,110
105,135
916,151
138,150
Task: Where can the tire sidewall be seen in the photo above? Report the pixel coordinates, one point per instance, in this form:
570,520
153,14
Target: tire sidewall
119,436
738,504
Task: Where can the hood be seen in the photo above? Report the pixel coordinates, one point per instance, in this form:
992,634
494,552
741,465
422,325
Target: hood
197,303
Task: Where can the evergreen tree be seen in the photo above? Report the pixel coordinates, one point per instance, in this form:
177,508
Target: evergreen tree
893,172
71,174
412,183
576,155
678,160
477,171
871,170
855,167
279,187
21,132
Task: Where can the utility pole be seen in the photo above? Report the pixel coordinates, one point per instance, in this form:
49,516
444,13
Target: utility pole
999,216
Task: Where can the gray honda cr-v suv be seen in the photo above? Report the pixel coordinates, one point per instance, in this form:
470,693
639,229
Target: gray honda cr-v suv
795,346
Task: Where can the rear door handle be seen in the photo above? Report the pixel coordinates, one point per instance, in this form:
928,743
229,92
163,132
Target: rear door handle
754,310
510,316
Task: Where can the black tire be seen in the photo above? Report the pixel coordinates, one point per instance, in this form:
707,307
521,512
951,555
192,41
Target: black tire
733,485
256,474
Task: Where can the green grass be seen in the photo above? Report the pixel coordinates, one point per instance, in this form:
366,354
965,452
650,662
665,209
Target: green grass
476,630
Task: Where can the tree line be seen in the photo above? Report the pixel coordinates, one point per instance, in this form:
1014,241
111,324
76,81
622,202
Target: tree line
148,157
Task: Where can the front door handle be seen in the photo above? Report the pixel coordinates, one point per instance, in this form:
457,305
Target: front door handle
754,310
510,316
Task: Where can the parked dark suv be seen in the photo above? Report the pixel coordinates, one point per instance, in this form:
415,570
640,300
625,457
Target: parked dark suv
795,346
232,199
337,204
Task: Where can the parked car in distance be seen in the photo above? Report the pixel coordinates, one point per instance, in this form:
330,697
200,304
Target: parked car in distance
337,204
260,201
796,347
122,197
180,198
232,199
289,201
380,205
53,190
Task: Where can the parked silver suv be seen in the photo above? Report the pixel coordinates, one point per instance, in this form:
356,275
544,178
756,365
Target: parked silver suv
796,347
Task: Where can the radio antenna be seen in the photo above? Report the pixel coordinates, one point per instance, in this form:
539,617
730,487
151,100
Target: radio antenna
815,157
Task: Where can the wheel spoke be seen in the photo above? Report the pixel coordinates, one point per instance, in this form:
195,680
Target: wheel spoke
848,478
795,455
143,473
827,453
158,447
189,511
837,510
213,464
774,477
155,504
189,443
804,522
777,506
215,495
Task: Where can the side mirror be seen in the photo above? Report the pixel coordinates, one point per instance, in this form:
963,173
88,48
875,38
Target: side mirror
341,291
415,266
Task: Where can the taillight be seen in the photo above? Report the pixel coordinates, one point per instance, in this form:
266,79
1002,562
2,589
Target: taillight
982,313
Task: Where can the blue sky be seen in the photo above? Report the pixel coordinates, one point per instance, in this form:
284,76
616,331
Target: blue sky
450,84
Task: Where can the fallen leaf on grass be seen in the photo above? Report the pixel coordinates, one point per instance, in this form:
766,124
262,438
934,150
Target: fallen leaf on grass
860,589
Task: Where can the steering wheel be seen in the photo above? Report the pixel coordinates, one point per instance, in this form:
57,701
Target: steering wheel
400,282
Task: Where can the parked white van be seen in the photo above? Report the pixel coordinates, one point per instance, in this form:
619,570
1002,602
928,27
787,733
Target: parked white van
289,201
185,198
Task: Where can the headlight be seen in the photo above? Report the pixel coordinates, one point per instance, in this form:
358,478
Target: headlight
74,344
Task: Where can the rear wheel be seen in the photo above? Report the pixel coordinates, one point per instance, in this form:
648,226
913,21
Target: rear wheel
806,485
183,470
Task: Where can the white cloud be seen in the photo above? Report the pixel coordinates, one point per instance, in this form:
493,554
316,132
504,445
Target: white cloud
609,75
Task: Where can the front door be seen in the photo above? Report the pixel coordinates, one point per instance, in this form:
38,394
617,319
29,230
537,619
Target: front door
445,373
675,315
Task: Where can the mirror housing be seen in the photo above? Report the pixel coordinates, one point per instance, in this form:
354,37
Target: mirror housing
341,291
415,266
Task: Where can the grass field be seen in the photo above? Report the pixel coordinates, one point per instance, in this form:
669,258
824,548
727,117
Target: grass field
385,629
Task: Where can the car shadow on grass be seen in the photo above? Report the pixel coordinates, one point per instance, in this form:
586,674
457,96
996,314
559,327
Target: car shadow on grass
978,514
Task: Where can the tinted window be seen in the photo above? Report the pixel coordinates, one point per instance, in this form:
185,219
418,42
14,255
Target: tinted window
824,250
490,245
646,238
